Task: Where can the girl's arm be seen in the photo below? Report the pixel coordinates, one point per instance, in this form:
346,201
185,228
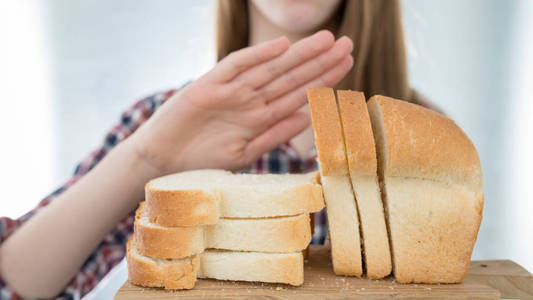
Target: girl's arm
245,106
41,257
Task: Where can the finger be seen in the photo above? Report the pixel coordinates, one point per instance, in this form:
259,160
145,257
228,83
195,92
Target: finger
308,71
297,54
289,103
241,60
279,133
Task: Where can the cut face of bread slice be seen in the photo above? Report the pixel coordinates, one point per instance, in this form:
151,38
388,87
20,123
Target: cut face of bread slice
169,274
281,234
362,163
343,222
253,266
269,195
202,197
432,186
224,265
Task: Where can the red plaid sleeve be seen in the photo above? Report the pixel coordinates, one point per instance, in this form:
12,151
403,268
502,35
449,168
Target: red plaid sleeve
112,248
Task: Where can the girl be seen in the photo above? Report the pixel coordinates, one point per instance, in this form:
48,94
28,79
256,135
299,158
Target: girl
248,112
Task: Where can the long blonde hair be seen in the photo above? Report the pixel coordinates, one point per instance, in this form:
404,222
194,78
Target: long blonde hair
375,26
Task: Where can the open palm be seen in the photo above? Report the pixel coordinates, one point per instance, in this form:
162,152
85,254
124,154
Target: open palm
245,106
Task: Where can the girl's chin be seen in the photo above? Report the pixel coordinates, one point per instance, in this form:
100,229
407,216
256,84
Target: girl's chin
298,16
300,21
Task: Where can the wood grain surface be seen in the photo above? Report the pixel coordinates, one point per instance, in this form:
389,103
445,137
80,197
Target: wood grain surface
485,280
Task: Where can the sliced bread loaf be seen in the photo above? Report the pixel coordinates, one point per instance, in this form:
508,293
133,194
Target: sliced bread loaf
362,163
431,176
202,197
343,220
280,234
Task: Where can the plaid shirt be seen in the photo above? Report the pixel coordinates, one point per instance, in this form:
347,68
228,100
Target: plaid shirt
112,249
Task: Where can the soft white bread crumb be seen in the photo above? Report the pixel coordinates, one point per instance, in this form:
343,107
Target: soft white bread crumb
252,266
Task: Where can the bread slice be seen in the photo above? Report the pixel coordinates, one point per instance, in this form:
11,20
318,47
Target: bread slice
225,265
343,222
169,274
253,266
362,164
432,186
281,234
202,197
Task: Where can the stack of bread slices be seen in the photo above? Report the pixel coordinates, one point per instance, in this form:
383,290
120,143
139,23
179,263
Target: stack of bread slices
215,224
402,185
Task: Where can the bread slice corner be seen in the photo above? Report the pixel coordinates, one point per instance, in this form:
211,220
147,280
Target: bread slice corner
173,274
184,199
154,240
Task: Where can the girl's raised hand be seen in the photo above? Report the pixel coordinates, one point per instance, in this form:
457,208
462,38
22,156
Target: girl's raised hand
245,106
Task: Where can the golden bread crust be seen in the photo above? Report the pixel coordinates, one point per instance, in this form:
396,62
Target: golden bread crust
360,147
175,276
425,144
328,131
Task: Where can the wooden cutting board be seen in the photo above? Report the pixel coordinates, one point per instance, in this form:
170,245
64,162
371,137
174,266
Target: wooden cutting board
485,280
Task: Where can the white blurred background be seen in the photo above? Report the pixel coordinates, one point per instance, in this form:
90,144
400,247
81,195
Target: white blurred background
68,69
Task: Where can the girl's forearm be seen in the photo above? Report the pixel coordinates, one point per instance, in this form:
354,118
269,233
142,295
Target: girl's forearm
41,257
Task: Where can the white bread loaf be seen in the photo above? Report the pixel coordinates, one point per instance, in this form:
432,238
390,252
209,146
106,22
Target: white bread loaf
280,234
362,163
432,181
343,220
224,265
202,197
